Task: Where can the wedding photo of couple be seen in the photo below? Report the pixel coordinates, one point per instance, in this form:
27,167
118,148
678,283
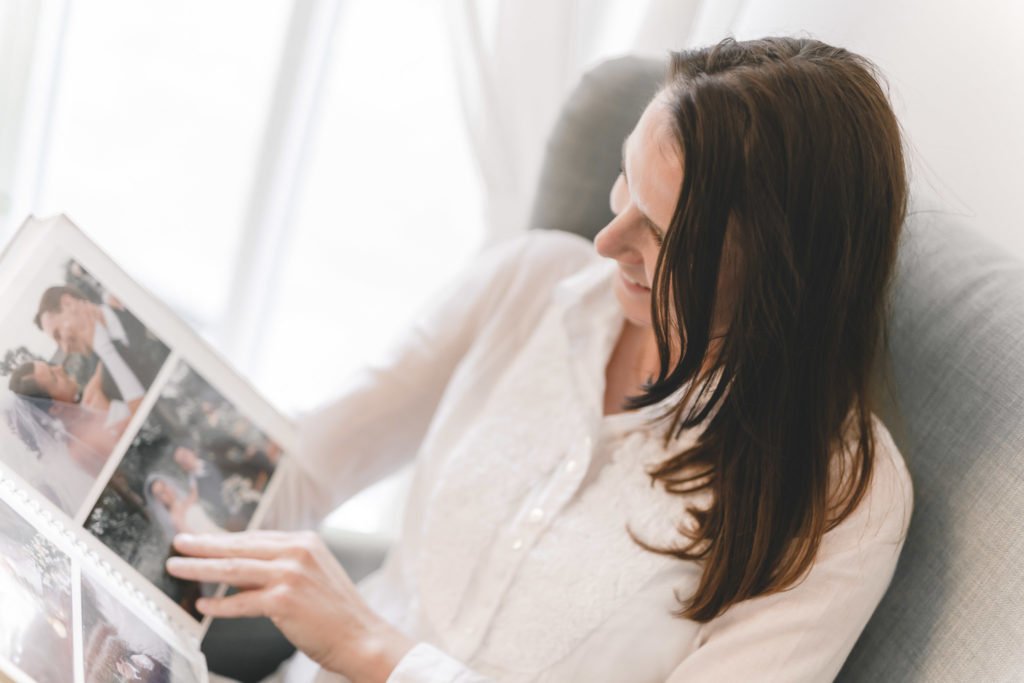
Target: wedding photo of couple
120,648
196,465
77,364
36,631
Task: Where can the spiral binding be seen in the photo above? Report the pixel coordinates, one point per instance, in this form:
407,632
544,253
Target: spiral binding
42,517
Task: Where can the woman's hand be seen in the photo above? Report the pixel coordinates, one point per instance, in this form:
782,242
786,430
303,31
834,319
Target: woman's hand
293,579
92,392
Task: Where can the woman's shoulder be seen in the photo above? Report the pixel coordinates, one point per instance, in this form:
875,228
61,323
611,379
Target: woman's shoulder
545,251
532,263
885,510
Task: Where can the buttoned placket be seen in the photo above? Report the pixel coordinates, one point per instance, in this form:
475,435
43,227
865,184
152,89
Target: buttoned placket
589,338
513,544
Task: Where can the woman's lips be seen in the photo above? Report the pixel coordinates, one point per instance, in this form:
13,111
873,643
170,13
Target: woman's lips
634,286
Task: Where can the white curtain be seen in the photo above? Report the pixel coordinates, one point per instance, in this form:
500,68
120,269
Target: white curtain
15,50
954,69
28,31
517,60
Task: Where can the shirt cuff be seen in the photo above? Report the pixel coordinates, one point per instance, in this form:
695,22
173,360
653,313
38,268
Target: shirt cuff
425,663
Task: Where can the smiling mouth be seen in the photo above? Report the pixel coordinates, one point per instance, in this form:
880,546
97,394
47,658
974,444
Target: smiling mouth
634,285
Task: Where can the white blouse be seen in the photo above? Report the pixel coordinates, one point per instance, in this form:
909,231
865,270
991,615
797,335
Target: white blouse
513,562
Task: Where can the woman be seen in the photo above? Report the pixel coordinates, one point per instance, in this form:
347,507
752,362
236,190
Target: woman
43,445
659,466
175,510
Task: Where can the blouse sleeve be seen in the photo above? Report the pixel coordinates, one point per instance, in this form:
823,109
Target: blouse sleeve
804,634
380,415
424,663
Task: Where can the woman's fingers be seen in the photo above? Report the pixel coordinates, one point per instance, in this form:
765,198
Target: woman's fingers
236,571
253,544
244,604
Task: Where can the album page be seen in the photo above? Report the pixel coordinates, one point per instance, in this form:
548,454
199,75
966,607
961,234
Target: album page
123,425
66,617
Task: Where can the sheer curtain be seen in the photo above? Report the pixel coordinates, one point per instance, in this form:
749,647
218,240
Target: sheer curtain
297,184
30,42
291,176
416,136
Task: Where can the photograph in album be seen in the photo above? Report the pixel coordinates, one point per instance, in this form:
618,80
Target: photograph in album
119,428
75,365
36,625
118,646
197,465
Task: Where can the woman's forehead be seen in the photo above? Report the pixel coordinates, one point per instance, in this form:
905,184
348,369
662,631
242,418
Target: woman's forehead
655,170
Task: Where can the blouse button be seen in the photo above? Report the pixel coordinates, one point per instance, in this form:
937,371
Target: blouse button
570,466
536,514
517,544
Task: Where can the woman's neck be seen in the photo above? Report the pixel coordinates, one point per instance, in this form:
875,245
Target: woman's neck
635,362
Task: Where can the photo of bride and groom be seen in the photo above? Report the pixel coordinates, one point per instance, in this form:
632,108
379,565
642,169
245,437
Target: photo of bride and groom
77,366
197,465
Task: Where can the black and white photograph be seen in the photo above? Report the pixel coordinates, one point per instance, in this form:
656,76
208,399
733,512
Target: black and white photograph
197,465
75,364
120,648
36,632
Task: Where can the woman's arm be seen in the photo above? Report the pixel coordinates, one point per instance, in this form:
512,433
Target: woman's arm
293,579
92,392
382,412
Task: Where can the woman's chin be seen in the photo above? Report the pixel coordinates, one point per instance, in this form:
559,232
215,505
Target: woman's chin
636,309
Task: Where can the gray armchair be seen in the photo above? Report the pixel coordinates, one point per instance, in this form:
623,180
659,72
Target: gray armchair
955,610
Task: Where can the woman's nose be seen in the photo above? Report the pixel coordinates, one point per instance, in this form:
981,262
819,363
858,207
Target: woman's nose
615,240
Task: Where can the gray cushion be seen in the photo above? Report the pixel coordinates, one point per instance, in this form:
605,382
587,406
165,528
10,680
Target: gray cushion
585,148
955,610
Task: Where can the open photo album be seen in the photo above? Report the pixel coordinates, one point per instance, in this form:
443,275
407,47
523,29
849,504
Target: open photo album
119,428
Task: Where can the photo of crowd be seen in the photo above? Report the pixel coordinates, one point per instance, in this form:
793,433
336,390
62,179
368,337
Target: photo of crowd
36,631
120,648
196,465
75,365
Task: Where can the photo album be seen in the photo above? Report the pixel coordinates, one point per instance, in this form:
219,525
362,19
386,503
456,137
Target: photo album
119,428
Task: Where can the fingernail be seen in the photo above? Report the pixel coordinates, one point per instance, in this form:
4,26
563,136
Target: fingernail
201,604
183,538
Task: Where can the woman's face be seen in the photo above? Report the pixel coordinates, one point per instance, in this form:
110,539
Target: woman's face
643,200
55,381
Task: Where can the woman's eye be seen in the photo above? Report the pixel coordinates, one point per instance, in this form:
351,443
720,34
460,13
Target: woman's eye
658,237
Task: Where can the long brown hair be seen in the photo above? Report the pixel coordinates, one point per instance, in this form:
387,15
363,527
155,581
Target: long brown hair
792,159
